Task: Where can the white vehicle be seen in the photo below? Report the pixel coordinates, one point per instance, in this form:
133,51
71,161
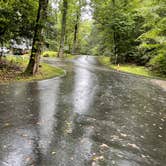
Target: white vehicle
4,50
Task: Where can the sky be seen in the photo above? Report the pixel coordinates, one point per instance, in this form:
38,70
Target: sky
86,12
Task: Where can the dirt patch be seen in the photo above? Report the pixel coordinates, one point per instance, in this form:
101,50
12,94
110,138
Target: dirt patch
9,71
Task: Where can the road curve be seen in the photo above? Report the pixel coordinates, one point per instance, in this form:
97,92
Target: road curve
90,117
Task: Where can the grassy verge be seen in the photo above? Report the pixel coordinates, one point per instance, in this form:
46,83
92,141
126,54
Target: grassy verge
129,68
14,67
53,54
50,54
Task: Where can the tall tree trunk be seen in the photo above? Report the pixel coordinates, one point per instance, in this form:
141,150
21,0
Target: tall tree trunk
114,36
63,30
76,32
1,53
33,65
76,27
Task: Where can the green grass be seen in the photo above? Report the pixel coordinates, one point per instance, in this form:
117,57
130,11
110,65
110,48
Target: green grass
50,54
53,54
69,56
21,61
45,71
139,70
129,68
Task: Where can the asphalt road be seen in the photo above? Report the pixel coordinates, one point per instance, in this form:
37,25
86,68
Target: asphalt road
90,117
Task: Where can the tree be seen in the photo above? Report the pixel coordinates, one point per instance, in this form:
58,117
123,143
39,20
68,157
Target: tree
63,28
76,26
12,12
153,40
33,65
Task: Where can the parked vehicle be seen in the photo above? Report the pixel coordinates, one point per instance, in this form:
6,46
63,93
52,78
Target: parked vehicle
4,50
19,51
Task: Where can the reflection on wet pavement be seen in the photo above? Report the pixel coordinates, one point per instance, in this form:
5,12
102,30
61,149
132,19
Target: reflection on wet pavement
91,117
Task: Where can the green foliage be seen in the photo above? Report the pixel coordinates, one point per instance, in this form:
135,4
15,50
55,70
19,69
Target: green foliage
129,68
158,64
49,54
16,66
129,31
114,27
17,19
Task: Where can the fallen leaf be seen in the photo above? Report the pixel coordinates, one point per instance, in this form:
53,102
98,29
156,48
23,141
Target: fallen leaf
104,146
133,146
96,158
53,153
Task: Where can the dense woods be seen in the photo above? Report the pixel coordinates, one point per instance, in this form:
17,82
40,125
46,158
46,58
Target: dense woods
126,31
131,32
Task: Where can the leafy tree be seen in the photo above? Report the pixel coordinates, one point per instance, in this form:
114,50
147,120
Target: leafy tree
33,65
17,19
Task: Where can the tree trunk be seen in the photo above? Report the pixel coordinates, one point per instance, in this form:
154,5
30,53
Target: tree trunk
75,33
63,31
1,53
33,65
114,36
76,27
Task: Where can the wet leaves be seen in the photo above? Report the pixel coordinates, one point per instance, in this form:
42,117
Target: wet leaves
68,128
28,159
104,146
160,128
96,158
53,153
162,120
123,135
94,163
133,146
7,125
24,135
160,136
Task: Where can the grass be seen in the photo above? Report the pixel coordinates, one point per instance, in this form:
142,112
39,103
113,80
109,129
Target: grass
69,57
45,72
128,68
16,65
50,54
53,54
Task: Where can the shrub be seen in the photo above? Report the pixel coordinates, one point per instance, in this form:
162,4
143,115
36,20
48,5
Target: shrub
158,64
49,54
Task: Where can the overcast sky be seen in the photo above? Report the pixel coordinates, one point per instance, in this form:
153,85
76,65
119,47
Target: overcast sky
86,13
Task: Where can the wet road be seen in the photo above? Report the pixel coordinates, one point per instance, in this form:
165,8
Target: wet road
91,117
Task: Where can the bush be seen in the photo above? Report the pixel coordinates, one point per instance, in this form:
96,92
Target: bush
49,54
158,64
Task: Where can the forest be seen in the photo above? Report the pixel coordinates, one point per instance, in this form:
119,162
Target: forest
128,32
